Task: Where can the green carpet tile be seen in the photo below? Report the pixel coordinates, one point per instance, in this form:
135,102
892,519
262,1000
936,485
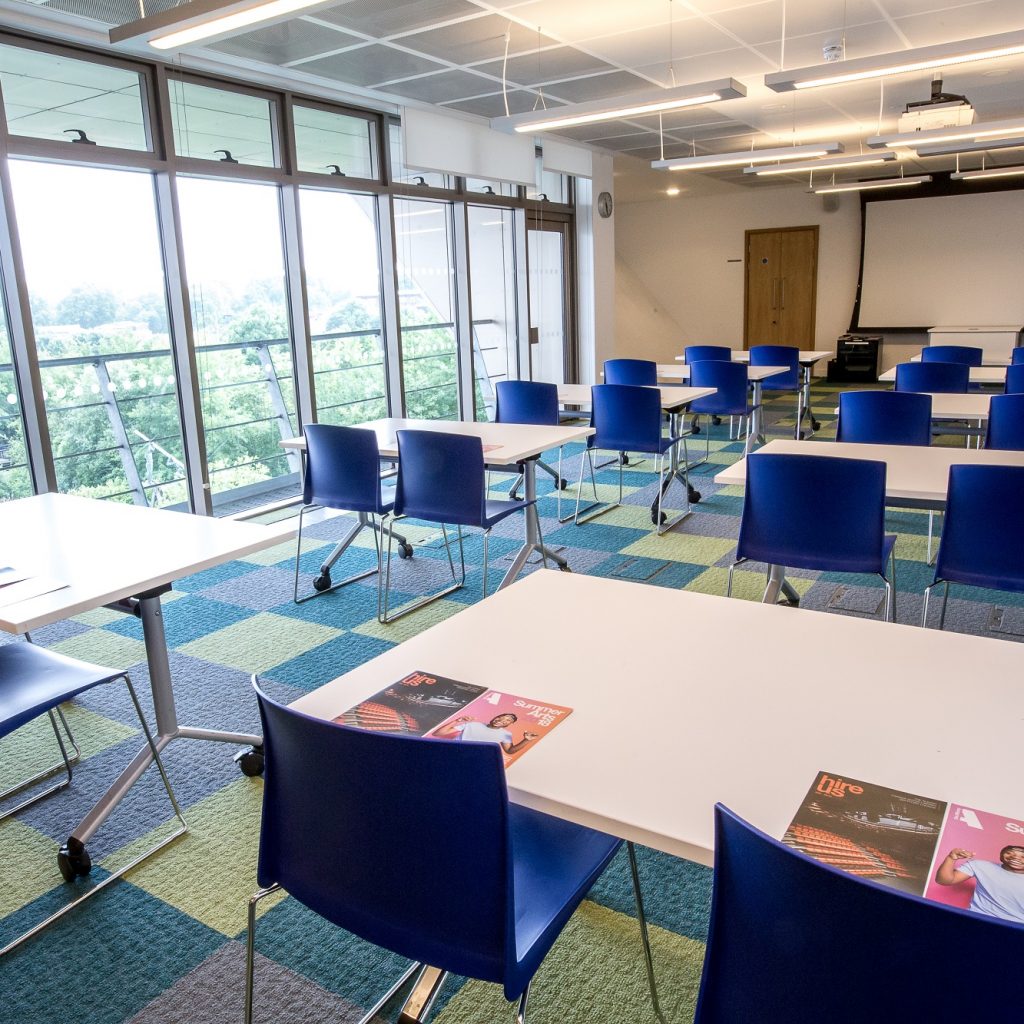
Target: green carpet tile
166,944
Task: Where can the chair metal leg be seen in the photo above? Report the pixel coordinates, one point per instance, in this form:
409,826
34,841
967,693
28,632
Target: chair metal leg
595,504
323,583
457,581
945,601
931,526
74,847
521,1009
927,598
644,937
64,763
487,536
250,948
732,569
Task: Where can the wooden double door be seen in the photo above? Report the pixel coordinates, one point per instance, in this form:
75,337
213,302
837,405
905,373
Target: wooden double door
781,287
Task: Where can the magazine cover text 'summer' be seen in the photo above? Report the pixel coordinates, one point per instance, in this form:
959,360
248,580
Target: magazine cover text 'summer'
424,704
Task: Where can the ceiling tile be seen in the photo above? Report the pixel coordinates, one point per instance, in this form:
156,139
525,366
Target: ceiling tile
519,102
573,20
478,39
598,87
737,63
547,65
398,15
978,19
287,41
439,88
370,65
650,45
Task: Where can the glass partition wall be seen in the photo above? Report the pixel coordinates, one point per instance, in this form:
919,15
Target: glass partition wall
199,267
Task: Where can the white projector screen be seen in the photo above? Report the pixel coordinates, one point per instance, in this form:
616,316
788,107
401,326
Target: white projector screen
944,260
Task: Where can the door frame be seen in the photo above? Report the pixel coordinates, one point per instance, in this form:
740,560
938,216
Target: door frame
542,220
816,228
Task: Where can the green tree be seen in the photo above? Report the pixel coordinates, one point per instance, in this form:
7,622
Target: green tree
87,308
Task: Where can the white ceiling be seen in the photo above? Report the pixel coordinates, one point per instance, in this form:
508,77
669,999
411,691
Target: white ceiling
450,53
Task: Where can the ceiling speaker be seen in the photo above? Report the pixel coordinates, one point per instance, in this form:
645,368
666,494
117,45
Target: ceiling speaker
830,202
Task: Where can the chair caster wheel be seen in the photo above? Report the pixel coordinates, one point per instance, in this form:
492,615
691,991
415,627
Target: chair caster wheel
405,550
695,426
658,518
322,582
815,425
73,860
623,458
716,420
562,484
564,568
250,761
693,494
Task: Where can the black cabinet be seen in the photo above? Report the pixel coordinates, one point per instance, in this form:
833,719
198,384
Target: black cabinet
856,359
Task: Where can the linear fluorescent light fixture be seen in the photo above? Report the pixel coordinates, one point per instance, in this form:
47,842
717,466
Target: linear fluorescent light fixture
637,104
924,58
748,156
988,172
954,148
933,136
840,162
871,186
204,21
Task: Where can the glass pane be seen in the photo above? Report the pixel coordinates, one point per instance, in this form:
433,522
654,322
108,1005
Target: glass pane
343,288
493,300
426,304
231,233
15,479
547,304
209,123
329,143
47,96
492,188
399,172
96,286
551,185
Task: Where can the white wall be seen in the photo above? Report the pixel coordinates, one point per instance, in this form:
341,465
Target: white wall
679,286
595,254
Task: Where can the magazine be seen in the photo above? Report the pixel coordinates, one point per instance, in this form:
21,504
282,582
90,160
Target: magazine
425,704
953,854
871,831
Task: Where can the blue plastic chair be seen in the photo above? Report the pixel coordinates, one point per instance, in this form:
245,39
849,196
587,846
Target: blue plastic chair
980,544
34,682
1017,357
532,402
795,941
1006,422
631,371
817,512
885,417
343,472
966,354
731,398
1015,378
782,355
627,418
936,378
441,479
702,353
412,844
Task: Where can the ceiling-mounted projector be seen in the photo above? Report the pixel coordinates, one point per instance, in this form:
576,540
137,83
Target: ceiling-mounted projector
940,110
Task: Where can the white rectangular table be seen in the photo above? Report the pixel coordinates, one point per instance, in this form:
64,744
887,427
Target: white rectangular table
505,444
109,553
972,407
915,477
993,376
645,755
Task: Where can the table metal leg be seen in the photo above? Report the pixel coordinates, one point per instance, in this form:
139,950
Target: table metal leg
534,541
756,431
777,583
167,727
678,470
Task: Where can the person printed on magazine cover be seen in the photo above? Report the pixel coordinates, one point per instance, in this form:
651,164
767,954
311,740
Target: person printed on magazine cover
998,888
494,731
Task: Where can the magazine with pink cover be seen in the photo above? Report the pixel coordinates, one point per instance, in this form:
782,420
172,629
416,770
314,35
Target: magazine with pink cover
979,864
426,704
516,723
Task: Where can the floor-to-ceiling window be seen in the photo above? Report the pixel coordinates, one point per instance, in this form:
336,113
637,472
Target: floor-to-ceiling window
340,257
492,269
15,479
92,259
426,304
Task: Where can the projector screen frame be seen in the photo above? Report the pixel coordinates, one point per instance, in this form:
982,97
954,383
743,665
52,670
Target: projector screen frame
941,185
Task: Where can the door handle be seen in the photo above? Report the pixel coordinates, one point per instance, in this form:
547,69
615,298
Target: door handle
783,293
775,288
